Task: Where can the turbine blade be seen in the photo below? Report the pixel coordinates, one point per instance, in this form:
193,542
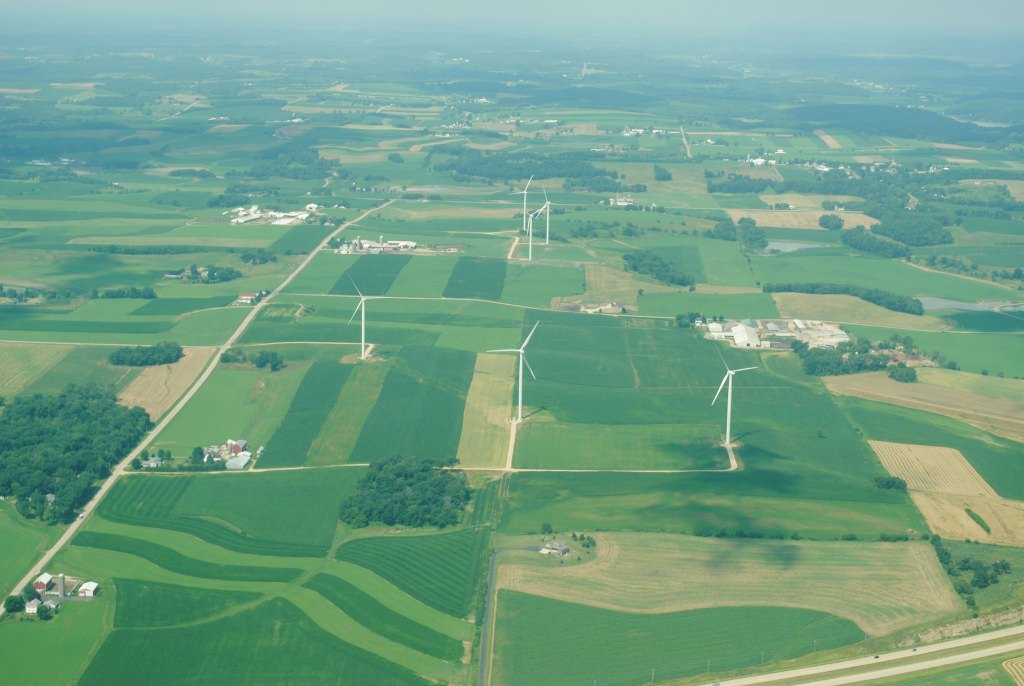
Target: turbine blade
522,356
529,336
745,369
545,195
527,187
720,387
355,311
356,287
504,350
722,358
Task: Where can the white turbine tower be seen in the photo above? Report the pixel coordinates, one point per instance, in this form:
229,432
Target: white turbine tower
361,309
521,350
529,231
525,189
729,373
546,208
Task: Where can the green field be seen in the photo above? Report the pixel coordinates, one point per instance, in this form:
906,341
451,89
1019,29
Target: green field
616,648
477,277
173,561
281,643
286,514
370,274
290,445
992,352
24,541
441,570
380,619
146,604
414,417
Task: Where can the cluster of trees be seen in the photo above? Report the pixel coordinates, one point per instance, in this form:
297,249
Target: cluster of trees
832,222
212,274
261,360
982,574
719,182
960,265
662,174
147,249
903,373
861,239
602,184
914,229
886,299
166,352
891,483
652,264
411,491
852,357
584,540
258,256
193,173
60,445
145,292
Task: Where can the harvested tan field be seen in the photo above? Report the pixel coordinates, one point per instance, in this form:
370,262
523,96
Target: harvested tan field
828,140
606,284
419,146
585,128
931,468
226,128
797,219
157,388
944,485
961,160
882,587
429,211
76,85
485,421
952,146
770,173
501,145
847,309
1015,668
1016,189
996,407
947,516
869,159
19,91
23,363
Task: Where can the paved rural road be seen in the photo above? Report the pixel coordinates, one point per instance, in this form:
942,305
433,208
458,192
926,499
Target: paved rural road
120,469
982,650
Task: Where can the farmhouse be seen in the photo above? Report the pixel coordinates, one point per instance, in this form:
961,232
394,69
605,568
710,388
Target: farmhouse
555,548
152,463
88,589
32,606
43,583
248,298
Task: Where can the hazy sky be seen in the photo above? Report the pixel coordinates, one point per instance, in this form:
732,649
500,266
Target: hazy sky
844,20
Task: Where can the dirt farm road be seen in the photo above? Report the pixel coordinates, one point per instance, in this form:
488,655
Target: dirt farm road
121,468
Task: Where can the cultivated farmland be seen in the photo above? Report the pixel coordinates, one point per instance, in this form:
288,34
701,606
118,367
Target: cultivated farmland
156,388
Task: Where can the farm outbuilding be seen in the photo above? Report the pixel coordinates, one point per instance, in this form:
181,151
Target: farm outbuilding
88,589
32,606
43,582
555,548
239,462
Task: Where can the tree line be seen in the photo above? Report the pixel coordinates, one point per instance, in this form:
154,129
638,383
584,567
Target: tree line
166,352
852,357
861,239
60,445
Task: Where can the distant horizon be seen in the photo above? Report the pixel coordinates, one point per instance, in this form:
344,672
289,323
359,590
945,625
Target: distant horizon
910,27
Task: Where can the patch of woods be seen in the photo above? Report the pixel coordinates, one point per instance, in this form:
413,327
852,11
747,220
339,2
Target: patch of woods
261,360
861,239
166,352
54,447
650,263
408,491
875,296
745,231
967,573
145,293
852,357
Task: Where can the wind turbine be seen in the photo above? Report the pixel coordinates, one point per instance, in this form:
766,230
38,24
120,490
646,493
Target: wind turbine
729,373
521,350
361,309
525,189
